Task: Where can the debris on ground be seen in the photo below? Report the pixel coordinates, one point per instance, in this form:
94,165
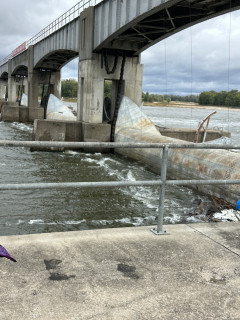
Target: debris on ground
214,210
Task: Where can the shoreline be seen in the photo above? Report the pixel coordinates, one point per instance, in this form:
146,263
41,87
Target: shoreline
192,106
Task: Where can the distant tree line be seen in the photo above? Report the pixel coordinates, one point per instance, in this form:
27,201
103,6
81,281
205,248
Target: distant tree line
69,88
209,98
147,97
222,98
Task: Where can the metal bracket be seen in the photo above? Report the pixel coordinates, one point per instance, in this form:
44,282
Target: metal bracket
159,233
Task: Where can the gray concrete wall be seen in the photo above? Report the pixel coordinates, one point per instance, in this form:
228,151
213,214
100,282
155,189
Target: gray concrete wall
66,38
11,84
91,85
3,68
15,113
20,60
3,85
10,113
56,130
35,113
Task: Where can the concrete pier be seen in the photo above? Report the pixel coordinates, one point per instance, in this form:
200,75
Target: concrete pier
126,273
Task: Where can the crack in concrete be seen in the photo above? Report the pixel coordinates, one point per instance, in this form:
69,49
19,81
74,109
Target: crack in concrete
217,242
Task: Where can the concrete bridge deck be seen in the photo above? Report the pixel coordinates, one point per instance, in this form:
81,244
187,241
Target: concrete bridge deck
126,273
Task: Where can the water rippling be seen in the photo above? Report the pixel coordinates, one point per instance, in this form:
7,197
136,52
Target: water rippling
34,211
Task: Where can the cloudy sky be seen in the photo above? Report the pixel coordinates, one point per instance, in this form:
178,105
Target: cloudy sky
205,57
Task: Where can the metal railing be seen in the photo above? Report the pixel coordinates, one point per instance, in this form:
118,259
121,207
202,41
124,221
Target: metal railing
57,24
163,182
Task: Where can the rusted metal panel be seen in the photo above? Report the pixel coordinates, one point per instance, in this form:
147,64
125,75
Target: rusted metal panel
19,49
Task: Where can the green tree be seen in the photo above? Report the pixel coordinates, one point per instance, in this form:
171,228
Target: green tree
69,88
108,89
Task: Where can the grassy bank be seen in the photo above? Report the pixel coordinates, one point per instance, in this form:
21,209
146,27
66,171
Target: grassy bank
69,99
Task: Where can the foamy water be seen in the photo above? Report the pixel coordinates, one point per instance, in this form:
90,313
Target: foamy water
33,211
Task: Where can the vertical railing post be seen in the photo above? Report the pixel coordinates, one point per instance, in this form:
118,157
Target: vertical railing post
159,229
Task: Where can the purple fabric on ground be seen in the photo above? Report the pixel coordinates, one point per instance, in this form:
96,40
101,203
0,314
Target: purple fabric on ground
5,254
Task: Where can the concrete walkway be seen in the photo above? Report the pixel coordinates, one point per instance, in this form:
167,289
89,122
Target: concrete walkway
128,273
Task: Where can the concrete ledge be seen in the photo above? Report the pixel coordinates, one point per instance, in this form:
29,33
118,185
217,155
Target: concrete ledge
4,102
57,130
189,134
23,114
96,132
15,113
126,273
35,113
10,113
92,132
60,130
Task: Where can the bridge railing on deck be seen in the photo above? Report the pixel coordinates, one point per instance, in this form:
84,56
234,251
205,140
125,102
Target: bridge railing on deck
162,182
57,24
64,19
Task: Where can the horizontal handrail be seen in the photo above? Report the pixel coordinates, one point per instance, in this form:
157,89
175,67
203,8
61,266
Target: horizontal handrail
5,60
112,184
112,145
60,185
63,20
162,182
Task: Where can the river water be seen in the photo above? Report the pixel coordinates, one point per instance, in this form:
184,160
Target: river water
24,212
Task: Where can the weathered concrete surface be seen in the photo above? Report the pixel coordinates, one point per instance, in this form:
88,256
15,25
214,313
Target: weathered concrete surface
126,273
91,85
23,114
3,102
187,164
59,130
14,113
10,113
35,113
189,134
96,132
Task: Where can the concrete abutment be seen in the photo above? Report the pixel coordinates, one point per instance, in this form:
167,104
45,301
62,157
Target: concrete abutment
92,75
94,71
57,130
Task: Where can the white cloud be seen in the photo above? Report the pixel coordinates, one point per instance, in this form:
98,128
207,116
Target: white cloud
196,59
21,20
205,57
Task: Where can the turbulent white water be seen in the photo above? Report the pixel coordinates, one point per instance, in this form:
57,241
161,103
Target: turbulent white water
33,211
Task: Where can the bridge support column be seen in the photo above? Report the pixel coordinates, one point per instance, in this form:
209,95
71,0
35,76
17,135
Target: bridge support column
90,92
3,88
12,91
25,85
92,74
33,89
56,83
33,80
